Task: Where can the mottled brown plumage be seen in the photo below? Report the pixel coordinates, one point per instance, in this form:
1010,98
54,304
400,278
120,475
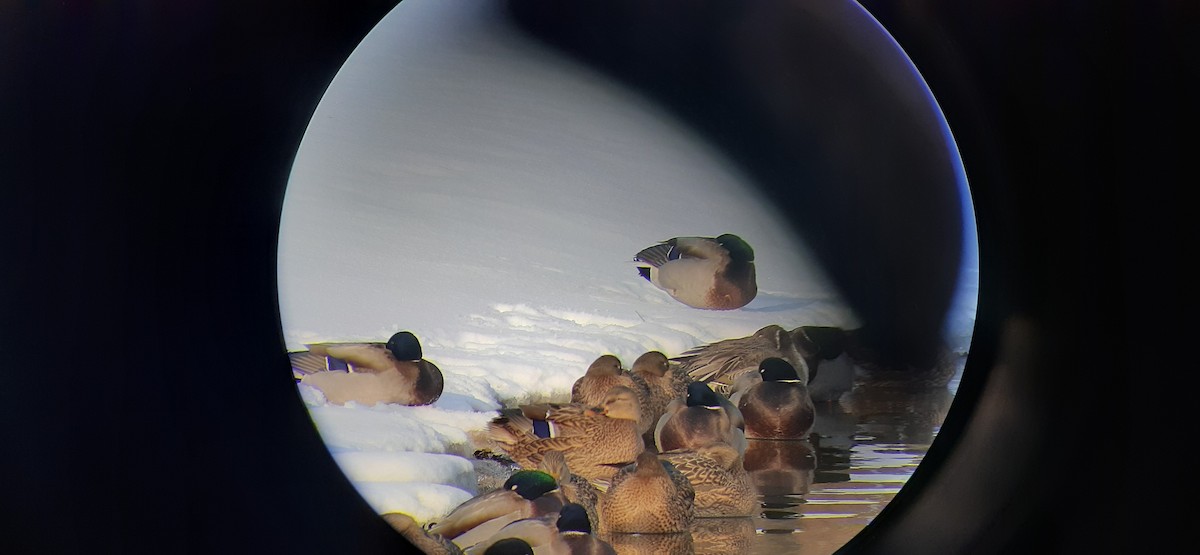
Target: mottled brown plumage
655,386
723,487
648,497
576,488
602,375
594,443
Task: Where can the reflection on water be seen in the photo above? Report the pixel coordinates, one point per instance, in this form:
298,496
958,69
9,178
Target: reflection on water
819,493
862,451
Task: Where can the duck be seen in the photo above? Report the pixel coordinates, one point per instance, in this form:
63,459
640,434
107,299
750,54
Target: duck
721,363
603,374
702,418
723,487
712,273
430,544
525,494
370,373
779,406
569,532
656,385
576,489
594,441
649,496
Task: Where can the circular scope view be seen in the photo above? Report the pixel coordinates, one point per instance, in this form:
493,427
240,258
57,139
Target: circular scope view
522,300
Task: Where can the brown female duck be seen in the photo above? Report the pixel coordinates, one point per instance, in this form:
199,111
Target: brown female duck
594,441
647,497
602,375
723,487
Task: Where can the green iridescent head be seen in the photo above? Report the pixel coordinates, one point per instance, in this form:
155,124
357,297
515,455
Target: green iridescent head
531,484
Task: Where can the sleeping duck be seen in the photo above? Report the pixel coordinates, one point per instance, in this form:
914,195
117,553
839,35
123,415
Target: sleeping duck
603,374
701,419
714,273
370,373
594,441
647,497
723,487
656,385
721,363
778,407
526,494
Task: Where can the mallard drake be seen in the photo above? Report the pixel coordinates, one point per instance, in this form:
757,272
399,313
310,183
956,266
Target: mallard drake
576,489
778,407
700,419
649,496
370,373
723,487
721,363
567,533
714,273
430,544
594,441
602,375
526,494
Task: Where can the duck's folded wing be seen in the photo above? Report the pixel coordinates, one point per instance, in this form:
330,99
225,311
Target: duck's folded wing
659,254
537,532
363,357
305,363
475,512
699,247
723,366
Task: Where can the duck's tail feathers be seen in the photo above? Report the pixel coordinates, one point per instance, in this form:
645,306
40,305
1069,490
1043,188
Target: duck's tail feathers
511,429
